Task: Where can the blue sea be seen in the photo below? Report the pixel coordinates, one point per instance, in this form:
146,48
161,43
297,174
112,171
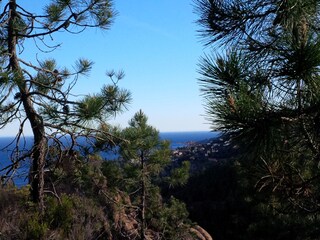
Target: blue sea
180,139
177,139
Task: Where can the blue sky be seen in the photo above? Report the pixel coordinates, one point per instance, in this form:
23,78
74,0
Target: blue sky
156,44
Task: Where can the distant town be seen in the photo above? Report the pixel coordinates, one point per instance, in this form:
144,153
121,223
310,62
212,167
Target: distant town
203,154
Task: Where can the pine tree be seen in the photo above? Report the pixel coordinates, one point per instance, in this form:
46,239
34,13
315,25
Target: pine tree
40,92
146,155
263,91
143,158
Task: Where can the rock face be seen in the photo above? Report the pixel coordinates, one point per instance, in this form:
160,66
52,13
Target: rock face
200,233
124,217
127,226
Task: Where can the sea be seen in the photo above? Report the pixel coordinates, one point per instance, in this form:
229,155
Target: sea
20,176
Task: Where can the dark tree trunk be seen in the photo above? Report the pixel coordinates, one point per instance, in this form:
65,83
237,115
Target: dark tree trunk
36,122
143,199
38,153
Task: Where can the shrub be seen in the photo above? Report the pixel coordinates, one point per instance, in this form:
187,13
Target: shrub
34,228
60,214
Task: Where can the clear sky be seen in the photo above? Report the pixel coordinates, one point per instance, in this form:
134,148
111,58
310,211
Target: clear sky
156,44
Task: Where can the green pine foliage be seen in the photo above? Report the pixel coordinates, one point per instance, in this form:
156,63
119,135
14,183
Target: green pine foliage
90,198
140,172
40,92
262,91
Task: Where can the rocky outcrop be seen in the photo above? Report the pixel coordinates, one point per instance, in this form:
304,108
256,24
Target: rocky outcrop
200,233
124,217
127,226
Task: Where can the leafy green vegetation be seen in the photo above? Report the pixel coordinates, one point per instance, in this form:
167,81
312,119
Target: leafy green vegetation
140,171
91,198
39,92
262,92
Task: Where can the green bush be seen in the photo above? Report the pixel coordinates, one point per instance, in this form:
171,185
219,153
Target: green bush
34,228
59,214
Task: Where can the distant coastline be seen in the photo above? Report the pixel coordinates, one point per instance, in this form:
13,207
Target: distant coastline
177,140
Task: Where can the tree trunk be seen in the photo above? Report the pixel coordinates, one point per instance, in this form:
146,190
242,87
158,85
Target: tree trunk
38,153
36,122
143,198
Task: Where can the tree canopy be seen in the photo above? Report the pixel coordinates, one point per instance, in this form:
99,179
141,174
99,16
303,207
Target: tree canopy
40,92
263,91
143,164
